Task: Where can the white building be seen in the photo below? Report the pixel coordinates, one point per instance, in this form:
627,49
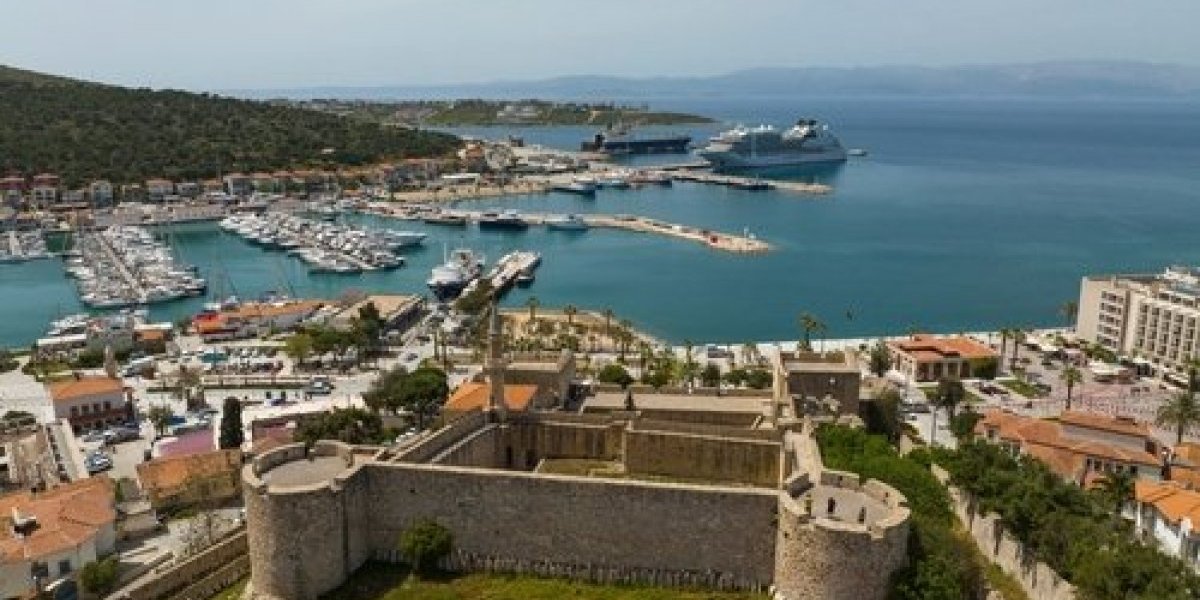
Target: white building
52,534
1150,317
1168,514
101,192
90,402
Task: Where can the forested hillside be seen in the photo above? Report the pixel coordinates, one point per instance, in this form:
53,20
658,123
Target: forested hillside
85,131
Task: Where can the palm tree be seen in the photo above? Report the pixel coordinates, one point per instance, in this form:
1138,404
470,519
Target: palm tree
570,310
1181,412
608,316
1193,368
1005,333
532,303
949,394
809,324
1070,377
1117,489
1069,310
749,351
1018,338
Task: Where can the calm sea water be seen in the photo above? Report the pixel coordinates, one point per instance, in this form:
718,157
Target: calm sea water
966,214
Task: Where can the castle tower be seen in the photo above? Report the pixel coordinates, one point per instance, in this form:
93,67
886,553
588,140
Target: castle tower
495,365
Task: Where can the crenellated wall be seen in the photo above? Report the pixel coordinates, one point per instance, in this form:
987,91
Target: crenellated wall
834,530
306,537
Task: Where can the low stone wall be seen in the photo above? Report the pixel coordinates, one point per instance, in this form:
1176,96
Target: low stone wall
216,563
650,424
1038,580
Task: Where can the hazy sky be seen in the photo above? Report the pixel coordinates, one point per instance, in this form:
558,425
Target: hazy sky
223,44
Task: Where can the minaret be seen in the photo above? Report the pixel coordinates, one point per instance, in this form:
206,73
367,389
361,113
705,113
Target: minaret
493,368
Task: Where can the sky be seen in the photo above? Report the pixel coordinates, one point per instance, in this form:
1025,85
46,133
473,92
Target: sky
257,44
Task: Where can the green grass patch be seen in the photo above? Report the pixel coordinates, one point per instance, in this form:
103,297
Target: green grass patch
379,581
969,397
233,592
1021,388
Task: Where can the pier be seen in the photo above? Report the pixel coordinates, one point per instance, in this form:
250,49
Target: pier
741,244
134,285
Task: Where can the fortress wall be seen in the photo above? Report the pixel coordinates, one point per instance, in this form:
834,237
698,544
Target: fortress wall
297,541
306,539
727,419
479,449
754,462
595,529
831,560
442,439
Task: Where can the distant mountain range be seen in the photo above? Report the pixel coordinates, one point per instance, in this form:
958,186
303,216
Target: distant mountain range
1070,79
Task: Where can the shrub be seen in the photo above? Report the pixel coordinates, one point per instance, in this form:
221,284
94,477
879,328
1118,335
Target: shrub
99,577
424,544
615,374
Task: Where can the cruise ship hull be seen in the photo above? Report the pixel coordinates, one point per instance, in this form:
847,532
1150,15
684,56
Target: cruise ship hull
732,160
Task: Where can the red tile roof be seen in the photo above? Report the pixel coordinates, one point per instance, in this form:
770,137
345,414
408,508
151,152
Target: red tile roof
927,348
67,516
63,391
474,395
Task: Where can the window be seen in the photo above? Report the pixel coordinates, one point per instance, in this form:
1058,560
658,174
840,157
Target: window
64,567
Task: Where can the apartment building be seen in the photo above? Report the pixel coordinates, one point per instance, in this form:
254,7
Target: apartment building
1152,318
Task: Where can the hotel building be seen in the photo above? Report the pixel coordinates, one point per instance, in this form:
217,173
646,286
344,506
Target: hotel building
1150,317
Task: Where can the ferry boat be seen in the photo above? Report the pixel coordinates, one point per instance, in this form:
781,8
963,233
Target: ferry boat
584,186
448,279
621,140
509,219
806,142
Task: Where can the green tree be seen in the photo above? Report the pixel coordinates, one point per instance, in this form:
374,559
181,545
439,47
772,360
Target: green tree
299,347
350,425
1071,377
570,310
948,395
160,416
690,367
1181,412
710,375
614,373
809,324
424,544
882,415
758,379
1116,490
231,424
99,577
7,362
608,317
880,359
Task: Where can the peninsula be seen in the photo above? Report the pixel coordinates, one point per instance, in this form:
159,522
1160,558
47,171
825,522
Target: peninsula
475,112
83,131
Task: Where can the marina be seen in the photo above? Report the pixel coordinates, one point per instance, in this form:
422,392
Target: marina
126,266
514,268
20,246
325,247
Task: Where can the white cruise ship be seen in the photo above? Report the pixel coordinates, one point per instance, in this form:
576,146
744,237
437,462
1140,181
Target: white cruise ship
806,142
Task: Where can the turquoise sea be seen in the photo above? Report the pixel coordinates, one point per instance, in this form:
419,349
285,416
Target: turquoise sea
967,214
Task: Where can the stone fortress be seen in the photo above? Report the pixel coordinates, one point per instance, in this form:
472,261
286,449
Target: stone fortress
612,498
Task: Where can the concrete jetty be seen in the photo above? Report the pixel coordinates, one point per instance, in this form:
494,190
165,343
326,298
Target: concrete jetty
742,244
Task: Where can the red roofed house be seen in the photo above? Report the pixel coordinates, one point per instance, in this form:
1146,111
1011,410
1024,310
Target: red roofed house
474,396
929,358
209,477
54,533
1080,447
1169,514
91,402
252,319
